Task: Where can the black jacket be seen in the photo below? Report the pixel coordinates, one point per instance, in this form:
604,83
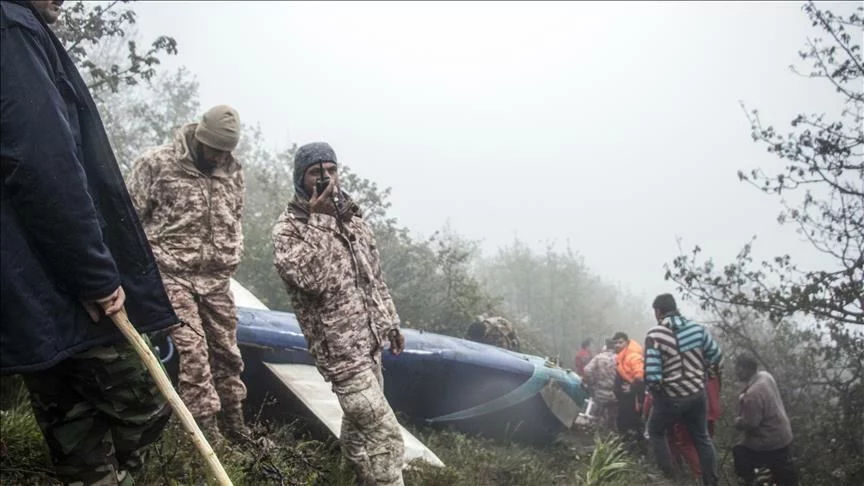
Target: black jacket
68,228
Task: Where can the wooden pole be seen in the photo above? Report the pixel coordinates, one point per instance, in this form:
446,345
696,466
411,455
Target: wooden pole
154,366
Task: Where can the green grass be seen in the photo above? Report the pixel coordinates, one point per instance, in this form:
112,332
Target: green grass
608,463
293,458
24,458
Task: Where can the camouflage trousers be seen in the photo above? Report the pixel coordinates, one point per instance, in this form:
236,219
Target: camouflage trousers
96,410
210,361
371,438
606,412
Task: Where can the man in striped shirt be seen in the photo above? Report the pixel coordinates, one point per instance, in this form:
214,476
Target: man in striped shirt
678,353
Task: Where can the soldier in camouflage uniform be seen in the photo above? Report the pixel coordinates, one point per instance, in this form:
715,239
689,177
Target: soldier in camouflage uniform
189,195
496,331
599,375
326,254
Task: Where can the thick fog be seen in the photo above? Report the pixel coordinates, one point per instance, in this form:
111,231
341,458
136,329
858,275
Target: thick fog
615,127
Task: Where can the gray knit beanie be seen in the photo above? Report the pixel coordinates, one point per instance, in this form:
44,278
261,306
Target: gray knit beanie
307,156
219,128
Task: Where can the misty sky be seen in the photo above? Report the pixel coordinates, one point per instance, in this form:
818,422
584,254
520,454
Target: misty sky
614,126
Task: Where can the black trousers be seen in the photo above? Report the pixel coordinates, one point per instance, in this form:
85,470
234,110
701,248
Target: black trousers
629,420
779,461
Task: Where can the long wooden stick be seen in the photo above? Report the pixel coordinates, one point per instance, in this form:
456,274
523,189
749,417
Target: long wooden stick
154,366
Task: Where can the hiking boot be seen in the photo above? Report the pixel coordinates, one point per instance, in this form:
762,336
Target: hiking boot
210,428
234,424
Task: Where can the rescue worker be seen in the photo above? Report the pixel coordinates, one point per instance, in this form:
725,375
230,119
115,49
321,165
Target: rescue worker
629,387
599,375
189,195
326,254
766,432
583,357
73,255
495,331
677,355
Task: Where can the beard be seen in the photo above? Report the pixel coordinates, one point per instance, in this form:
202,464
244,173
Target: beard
201,161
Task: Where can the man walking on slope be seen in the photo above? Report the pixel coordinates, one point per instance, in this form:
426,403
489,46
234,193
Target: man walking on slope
71,246
326,254
677,355
189,195
766,431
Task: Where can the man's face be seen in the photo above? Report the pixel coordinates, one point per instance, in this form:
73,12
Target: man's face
48,9
620,344
313,173
742,373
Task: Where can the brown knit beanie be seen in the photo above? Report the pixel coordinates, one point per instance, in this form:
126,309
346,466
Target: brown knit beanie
219,128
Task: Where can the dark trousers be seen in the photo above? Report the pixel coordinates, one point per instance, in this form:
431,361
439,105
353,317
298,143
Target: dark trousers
629,419
779,461
692,412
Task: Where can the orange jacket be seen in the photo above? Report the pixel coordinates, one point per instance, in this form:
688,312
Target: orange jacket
629,362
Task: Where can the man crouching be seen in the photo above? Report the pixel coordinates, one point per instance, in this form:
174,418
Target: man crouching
326,254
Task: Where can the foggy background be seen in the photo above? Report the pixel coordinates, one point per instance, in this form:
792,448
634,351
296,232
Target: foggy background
615,127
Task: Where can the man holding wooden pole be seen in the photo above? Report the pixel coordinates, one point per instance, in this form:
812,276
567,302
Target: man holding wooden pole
73,255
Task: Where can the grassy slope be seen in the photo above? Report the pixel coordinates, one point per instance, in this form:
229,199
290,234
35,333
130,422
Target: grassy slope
297,459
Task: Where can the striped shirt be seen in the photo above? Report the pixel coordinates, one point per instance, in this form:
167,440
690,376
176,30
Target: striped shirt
677,353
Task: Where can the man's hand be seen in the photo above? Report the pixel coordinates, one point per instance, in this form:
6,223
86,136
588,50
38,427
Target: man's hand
111,305
323,203
397,341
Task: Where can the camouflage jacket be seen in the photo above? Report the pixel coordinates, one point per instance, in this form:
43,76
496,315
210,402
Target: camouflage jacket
500,332
192,220
600,375
333,275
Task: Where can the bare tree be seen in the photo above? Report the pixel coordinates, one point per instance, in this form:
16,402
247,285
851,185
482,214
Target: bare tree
815,316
